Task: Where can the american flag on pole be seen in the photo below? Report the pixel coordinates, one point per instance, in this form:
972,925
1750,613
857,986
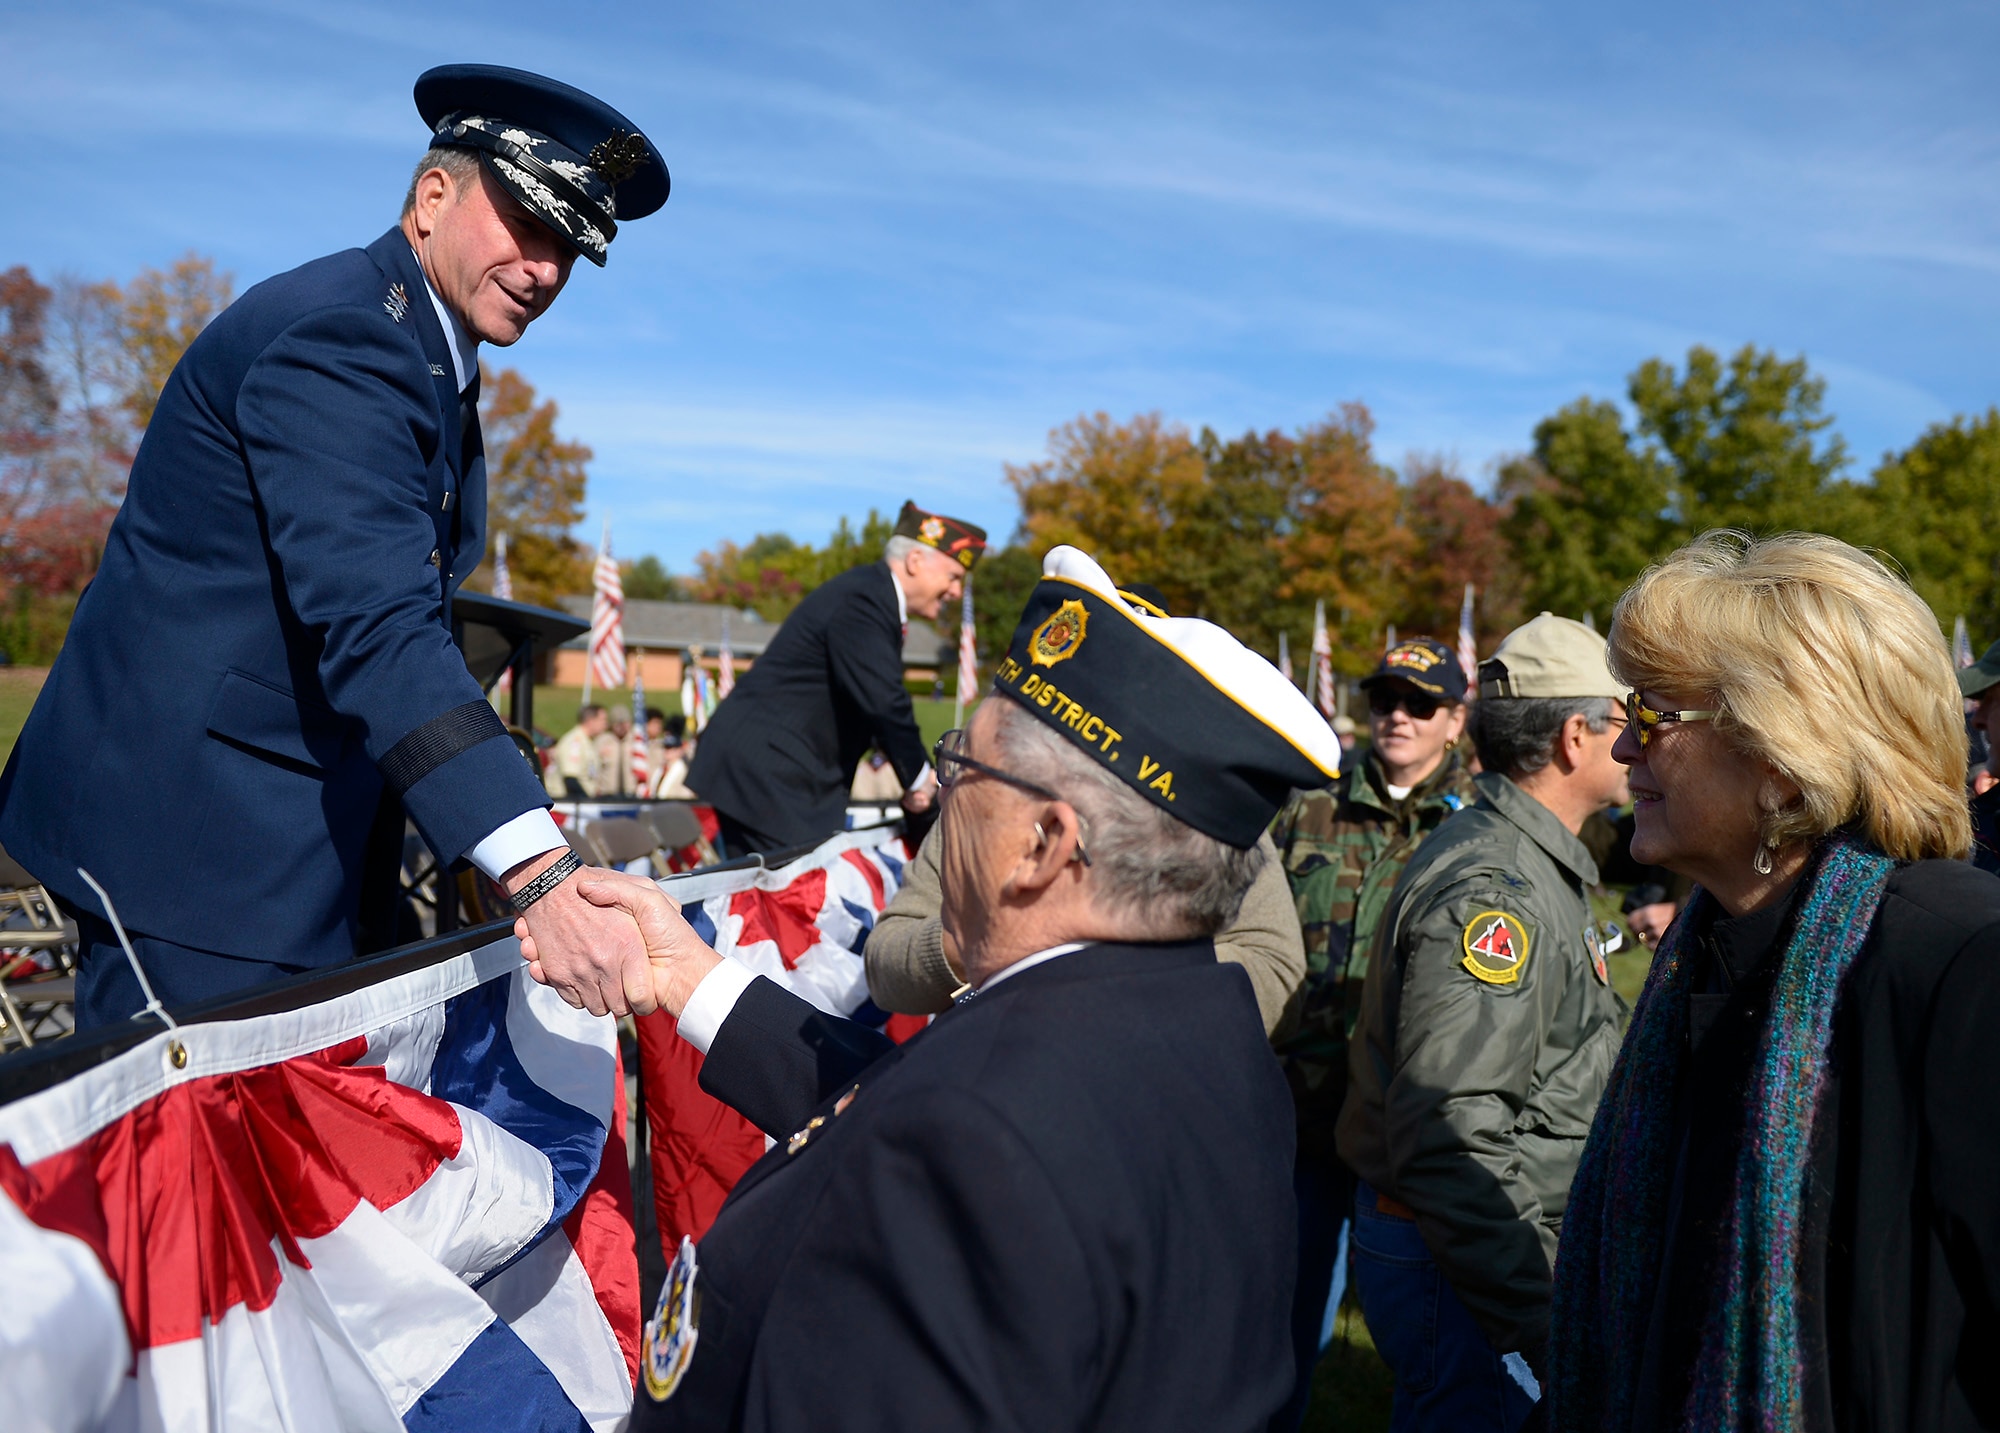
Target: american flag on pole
968,656
1285,658
1322,658
503,588
1468,647
405,1206
607,619
1961,644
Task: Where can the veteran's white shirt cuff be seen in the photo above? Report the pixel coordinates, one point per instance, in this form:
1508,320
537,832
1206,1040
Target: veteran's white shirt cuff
525,837
712,1001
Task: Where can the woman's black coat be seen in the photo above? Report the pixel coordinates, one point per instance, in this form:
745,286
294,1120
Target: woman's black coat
1900,1313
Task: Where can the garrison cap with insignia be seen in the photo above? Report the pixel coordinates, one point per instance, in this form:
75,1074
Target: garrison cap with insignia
948,535
1425,664
572,160
1204,728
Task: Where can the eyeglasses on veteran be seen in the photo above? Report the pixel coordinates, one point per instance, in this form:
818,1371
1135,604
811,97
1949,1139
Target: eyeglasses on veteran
1645,719
949,760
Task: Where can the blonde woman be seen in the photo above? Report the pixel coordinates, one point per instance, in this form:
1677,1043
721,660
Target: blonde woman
1788,1211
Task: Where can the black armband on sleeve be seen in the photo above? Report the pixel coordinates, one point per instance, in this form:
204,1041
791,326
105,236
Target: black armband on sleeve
438,741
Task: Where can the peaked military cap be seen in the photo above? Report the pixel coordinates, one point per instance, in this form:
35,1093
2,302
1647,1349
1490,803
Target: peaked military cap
1424,663
572,160
1190,718
948,535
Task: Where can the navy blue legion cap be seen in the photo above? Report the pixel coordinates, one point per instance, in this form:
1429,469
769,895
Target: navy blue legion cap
572,160
1175,707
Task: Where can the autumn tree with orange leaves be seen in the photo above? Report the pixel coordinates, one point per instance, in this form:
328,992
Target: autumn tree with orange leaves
535,482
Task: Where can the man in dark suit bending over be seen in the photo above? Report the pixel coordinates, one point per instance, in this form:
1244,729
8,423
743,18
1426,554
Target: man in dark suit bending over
777,758
1067,1204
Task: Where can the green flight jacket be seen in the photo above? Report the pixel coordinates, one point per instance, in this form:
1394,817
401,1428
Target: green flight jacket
1343,847
1487,1033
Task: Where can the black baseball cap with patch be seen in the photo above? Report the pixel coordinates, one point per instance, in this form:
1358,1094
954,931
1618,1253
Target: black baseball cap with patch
1201,726
572,160
953,537
1427,665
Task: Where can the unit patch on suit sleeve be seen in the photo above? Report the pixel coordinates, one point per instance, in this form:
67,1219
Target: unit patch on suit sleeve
1496,947
671,1332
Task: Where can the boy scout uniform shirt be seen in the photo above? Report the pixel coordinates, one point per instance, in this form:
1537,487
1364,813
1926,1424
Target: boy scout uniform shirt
1488,1029
1343,848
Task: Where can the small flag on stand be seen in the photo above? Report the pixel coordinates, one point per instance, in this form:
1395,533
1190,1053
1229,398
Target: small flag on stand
1468,647
607,622
725,677
702,705
968,656
641,769
503,588
1322,657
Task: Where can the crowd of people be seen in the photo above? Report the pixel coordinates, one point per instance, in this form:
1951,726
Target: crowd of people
1556,1211
595,759
1231,1012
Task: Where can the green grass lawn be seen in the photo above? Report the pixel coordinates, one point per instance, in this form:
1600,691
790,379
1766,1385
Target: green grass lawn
1352,1387
555,708
18,687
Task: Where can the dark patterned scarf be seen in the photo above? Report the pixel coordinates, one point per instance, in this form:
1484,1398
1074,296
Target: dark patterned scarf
1749,1374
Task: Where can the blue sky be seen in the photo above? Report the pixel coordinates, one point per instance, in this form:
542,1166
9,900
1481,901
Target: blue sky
907,240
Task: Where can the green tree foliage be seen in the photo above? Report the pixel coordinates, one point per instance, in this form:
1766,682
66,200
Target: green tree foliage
648,580
1744,444
1587,510
1933,512
771,572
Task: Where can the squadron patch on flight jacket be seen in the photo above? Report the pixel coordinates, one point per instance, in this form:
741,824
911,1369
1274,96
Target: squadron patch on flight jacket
1496,947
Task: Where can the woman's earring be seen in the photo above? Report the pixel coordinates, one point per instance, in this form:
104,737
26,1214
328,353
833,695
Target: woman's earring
1761,862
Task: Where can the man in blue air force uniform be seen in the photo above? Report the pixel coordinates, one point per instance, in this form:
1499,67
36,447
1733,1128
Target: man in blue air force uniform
263,668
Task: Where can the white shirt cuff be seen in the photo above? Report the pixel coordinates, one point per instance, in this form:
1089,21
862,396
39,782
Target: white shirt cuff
712,1001
525,837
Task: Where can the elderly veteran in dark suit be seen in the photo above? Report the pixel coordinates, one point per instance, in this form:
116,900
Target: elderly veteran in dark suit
777,757
1067,1203
263,669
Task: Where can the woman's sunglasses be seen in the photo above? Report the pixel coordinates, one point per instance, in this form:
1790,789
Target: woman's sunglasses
1421,706
1645,719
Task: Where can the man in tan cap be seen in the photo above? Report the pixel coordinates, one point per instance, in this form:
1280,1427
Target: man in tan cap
1488,1027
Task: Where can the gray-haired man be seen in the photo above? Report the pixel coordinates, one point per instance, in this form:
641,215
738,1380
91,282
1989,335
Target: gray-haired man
1488,1026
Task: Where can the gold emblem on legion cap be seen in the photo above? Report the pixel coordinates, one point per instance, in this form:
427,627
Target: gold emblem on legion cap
1057,639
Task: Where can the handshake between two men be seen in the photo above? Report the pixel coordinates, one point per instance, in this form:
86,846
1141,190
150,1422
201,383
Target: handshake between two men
610,943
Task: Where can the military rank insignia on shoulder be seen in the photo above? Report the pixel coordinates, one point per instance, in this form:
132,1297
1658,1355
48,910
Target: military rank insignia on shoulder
1496,947
671,1332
